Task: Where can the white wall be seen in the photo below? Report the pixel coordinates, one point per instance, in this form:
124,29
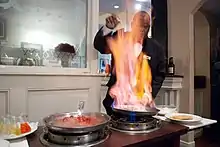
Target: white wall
39,96
46,22
202,60
181,46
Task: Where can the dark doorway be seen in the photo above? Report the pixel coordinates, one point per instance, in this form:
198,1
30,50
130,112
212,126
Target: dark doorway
215,78
211,9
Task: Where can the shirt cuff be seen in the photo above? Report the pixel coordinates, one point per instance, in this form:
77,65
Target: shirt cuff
106,30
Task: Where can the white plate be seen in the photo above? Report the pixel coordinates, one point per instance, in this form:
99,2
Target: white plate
195,119
33,125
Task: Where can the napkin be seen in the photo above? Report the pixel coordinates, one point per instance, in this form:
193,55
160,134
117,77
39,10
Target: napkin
22,142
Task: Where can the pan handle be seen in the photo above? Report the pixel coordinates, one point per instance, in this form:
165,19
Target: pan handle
81,107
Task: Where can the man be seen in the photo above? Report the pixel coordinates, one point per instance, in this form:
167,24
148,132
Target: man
140,27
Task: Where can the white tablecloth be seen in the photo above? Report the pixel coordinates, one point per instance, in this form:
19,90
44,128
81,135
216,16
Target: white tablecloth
205,122
22,142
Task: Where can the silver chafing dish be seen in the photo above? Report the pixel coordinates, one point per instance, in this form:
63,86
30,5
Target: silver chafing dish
132,120
76,135
49,123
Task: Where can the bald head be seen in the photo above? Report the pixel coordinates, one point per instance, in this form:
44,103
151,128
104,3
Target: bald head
142,16
140,24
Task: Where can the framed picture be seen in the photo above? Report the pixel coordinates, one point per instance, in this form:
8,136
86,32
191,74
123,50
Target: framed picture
102,63
2,29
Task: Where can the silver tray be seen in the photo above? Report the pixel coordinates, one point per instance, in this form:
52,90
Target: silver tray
49,123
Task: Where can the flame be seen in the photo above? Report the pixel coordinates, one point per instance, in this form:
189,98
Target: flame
133,85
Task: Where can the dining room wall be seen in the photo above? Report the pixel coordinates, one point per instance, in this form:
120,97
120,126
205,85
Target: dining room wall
40,95
181,46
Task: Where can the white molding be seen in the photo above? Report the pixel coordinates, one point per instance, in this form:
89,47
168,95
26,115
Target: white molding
7,99
187,144
191,61
47,71
57,89
92,28
35,70
172,83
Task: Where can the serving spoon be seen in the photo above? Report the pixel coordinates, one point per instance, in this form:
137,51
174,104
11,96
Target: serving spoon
80,107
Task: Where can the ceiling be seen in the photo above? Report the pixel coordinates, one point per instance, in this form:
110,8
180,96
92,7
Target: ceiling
56,5
212,6
107,6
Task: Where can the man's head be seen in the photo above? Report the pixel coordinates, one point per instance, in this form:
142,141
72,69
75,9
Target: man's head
140,24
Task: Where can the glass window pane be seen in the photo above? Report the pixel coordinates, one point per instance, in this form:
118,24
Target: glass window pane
124,9
30,30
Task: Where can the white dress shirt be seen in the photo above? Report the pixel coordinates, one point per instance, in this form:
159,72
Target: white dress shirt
137,46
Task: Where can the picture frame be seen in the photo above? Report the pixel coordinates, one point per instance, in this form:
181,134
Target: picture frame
3,33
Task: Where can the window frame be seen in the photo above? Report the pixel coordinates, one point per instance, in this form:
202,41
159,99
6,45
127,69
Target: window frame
91,54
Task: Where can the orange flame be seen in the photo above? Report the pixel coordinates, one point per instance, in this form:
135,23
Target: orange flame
133,85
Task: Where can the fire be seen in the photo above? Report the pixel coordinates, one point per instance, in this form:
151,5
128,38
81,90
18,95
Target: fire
133,85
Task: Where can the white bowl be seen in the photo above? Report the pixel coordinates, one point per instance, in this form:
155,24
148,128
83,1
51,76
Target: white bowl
166,109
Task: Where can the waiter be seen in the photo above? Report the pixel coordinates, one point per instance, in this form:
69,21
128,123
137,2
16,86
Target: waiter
140,26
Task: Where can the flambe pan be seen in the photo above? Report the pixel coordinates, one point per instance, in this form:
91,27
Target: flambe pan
130,110
49,122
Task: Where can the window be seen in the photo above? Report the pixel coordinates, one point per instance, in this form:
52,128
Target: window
124,9
30,30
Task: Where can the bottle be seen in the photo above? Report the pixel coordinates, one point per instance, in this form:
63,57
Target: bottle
107,69
171,66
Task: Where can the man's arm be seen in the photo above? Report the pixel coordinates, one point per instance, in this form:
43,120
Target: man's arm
100,42
158,79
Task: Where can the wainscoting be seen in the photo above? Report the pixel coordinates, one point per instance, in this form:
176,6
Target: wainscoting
39,96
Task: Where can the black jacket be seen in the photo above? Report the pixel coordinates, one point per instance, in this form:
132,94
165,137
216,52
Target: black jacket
150,47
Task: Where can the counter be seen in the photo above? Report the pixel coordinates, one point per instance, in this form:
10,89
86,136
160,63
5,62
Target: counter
167,136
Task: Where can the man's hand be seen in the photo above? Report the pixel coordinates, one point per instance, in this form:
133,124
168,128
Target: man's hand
112,22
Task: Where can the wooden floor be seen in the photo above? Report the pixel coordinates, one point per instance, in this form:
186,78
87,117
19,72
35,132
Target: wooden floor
204,142
208,140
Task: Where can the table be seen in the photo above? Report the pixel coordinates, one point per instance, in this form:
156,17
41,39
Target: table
168,135
193,126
